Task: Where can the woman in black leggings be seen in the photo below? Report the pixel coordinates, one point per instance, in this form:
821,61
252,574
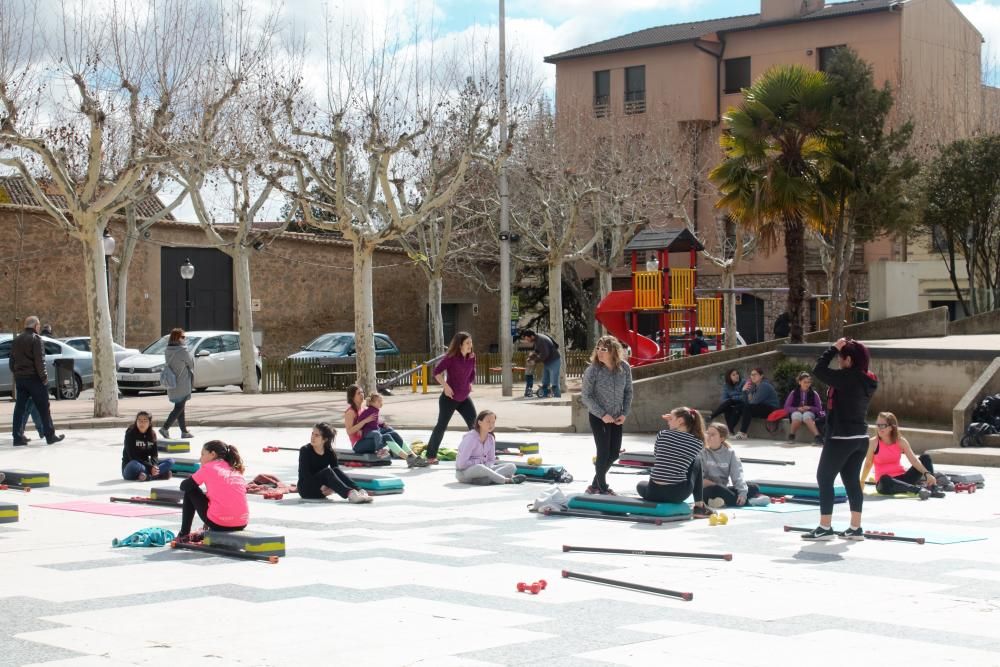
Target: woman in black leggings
607,393
319,474
455,373
851,388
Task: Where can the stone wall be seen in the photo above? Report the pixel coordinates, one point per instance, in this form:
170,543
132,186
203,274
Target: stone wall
984,323
304,286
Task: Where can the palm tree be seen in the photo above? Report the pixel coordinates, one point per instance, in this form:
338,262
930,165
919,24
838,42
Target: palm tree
776,147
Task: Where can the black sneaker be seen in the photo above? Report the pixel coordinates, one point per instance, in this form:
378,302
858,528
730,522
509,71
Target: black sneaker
936,492
518,479
818,534
20,442
856,534
54,439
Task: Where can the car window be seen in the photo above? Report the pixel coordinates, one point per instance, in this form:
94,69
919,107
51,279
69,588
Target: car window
382,344
160,346
5,349
230,343
52,348
82,344
212,345
334,344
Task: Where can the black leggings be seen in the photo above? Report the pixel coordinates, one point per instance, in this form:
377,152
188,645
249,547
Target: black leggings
447,408
843,457
728,493
177,414
729,408
675,493
608,438
336,479
195,500
907,482
749,411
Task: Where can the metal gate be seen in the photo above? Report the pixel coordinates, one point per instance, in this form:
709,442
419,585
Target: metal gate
211,289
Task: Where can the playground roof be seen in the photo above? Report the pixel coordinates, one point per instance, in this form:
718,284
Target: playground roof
671,240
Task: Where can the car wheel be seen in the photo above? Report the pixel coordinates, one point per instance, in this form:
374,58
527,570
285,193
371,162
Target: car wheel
200,389
72,392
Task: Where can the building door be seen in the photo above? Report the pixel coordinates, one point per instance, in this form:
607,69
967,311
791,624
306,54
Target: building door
750,319
211,289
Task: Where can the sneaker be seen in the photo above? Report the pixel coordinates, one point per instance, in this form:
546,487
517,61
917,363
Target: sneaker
354,496
411,461
367,496
592,490
791,437
54,439
740,436
924,494
190,538
518,479
759,501
187,434
20,442
431,462
164,433
142,477
818,440
700,512
819,533
944,483
382,453
716,503
936,492
856,534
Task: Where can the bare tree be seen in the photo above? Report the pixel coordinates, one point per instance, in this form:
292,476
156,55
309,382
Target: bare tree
88,140
360,149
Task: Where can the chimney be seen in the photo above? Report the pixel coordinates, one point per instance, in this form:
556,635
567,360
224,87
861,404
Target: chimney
782,10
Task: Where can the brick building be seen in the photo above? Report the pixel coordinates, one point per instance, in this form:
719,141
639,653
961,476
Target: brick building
300,283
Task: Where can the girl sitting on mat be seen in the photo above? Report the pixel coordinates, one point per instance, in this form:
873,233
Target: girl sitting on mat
368,443
885,451
223,503
392,440
320,475
719,465
804,406
140,460
676,472
477,456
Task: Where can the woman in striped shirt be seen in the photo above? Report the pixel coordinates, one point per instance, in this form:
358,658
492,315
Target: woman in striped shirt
676,473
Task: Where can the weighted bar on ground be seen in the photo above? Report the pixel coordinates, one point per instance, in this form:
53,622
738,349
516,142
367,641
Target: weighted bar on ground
609,517
643,552
868,535
628,586
140,500
226,553
770,462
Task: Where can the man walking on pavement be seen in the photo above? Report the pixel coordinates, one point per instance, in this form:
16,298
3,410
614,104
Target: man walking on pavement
547,352
27,363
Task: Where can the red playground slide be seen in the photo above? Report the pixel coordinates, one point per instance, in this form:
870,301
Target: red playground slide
613,312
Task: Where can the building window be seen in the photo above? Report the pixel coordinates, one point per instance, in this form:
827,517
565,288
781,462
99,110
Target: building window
602,93
737,74
635,89
826,53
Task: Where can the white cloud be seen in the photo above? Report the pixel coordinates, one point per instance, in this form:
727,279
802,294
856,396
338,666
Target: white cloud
986,17
607,11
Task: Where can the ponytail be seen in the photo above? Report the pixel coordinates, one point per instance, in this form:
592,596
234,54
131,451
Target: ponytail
227,453
693,421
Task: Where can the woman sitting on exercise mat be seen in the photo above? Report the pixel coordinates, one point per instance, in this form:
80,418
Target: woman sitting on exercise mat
140,460
477,456
720,464
223,503
885,451
676,472
319,473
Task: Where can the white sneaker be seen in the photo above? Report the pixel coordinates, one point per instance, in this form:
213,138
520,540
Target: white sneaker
759,501
354,496
716,503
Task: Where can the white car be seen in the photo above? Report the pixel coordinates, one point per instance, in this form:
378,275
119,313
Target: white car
82,343
216,363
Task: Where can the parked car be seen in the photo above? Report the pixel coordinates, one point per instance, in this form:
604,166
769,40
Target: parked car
82,343
339,348
83,367
216,363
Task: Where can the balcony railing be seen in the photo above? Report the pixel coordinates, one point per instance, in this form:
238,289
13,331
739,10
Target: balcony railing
635,102
602,106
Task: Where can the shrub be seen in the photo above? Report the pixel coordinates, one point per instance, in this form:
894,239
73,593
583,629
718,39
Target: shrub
783,378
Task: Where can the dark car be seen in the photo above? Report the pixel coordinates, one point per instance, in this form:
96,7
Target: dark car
340,348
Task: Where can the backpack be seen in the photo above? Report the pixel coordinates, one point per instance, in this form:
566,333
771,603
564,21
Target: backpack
552,499
974,434
168,378
558,475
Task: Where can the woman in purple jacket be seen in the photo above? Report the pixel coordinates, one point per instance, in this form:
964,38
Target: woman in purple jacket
804,406
455,373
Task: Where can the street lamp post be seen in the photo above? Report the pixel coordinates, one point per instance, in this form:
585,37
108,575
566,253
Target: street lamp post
109,249
187,273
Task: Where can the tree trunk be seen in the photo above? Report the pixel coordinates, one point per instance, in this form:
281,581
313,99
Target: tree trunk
604,289
364,316
435,318
121,287
838,295
796,274
556,326
244,318
99,319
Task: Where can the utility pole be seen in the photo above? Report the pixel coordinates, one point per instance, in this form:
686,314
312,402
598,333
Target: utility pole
506,338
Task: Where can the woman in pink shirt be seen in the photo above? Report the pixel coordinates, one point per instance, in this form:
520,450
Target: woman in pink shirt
455,373
885,452
223,503
362,443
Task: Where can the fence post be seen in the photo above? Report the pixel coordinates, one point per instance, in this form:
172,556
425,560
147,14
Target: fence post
423,376
413,376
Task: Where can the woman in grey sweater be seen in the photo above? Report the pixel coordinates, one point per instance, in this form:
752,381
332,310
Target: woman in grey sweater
179,359
759,400
607,393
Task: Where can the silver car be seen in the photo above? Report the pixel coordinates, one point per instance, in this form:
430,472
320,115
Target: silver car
83,367
82,343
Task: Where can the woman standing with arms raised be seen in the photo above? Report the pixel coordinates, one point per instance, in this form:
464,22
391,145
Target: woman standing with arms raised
455,373
607,393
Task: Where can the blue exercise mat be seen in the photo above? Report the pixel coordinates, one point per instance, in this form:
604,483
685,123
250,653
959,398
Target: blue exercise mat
626,505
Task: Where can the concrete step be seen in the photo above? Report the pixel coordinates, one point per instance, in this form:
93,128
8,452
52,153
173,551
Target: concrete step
986,457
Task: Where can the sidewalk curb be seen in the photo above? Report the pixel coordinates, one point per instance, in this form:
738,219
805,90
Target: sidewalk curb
119,422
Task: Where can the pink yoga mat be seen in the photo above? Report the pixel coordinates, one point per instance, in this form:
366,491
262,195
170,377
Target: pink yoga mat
113,509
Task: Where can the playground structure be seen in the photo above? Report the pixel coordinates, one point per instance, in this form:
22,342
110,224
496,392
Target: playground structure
662,290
